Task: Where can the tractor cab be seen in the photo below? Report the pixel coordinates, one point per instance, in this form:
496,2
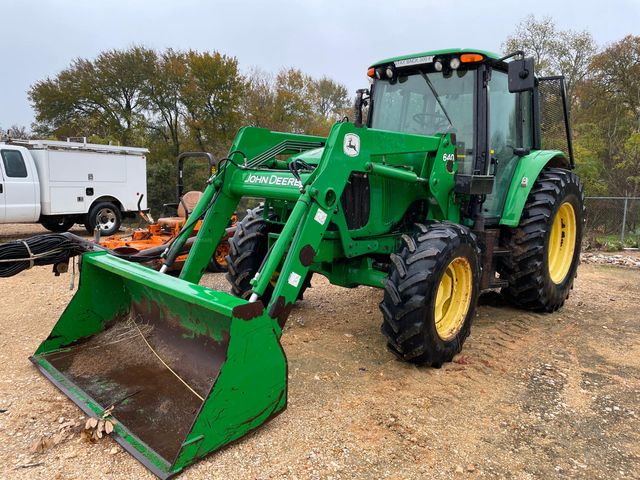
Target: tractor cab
490,106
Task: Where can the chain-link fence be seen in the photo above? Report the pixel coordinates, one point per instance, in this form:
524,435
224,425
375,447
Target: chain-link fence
612,222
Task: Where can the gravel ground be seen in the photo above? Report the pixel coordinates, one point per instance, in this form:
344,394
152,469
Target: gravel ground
531,395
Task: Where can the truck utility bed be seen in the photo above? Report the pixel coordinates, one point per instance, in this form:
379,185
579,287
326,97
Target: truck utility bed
73,175
68,179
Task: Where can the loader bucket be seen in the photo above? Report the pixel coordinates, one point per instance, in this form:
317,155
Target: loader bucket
180,369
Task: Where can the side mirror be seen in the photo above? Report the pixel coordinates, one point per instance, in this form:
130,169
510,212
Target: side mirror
521,76
362,95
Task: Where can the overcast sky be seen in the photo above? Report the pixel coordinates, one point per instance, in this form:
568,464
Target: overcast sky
38,38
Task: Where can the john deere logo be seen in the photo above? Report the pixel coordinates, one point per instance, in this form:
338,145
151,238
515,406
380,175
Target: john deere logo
351,145
273,180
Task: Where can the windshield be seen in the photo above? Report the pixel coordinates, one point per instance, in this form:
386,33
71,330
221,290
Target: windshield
427,104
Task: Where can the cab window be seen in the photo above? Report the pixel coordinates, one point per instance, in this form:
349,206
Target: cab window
427,104
14,165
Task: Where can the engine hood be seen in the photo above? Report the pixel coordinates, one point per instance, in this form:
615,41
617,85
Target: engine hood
312,157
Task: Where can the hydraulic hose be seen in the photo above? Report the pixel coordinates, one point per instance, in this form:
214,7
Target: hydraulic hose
55,248
51,249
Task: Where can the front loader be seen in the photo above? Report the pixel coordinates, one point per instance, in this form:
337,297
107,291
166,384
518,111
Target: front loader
443,192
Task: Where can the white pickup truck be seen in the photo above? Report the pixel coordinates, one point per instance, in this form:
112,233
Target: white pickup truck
58,184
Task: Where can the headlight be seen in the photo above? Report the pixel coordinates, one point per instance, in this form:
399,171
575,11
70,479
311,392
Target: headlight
438,65
390,72
454,63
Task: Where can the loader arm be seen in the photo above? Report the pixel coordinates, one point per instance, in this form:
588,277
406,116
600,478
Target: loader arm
316,197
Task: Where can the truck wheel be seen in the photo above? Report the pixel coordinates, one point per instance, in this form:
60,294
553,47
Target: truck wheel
104,215
545,247
218,262
247,249
431,294
57,224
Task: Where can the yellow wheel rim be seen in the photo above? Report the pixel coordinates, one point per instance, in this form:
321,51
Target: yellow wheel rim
453,298
562,243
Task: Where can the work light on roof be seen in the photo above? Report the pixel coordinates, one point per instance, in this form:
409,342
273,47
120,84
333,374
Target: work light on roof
390,71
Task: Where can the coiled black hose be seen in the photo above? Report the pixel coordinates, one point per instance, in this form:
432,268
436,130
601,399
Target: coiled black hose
55,248
49,249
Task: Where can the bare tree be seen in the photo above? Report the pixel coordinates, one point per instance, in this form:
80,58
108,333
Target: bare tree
535,36
556,52
15,132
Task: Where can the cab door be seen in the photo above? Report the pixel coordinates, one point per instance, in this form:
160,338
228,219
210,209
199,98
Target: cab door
509,127
18,187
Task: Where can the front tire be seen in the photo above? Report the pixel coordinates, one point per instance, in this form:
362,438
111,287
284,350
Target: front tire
431,294
545,247
104,215
57,224
247,249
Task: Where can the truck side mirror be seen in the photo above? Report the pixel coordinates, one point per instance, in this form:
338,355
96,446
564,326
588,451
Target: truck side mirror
521,76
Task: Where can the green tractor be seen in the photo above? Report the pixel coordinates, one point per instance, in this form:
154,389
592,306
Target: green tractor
445,191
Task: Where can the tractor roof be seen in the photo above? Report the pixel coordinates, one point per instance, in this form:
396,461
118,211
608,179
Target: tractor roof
446,51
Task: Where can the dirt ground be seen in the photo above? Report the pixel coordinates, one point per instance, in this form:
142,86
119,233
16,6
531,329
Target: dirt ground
531,395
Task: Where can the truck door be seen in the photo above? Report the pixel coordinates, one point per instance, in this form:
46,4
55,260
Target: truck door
2,196
19,188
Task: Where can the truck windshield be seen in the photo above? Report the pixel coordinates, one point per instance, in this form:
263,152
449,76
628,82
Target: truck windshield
411,105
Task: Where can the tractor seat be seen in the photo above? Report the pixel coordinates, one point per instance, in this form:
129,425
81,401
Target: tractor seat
189,200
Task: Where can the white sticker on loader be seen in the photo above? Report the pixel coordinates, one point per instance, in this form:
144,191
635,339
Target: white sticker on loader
351,146
294,279
320,217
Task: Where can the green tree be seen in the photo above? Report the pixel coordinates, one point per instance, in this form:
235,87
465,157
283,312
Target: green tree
630,163
294,102
161,186
174,101
331,98
617,74
102,97
212,96
609,101
258,101
588,148
163,94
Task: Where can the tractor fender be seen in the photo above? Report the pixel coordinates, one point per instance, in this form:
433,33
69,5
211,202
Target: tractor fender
525,175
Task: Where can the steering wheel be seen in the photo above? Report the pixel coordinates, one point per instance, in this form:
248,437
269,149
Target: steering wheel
440,121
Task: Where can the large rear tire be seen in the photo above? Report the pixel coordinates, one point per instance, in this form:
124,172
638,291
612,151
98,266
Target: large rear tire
247,249
431,294
545,247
